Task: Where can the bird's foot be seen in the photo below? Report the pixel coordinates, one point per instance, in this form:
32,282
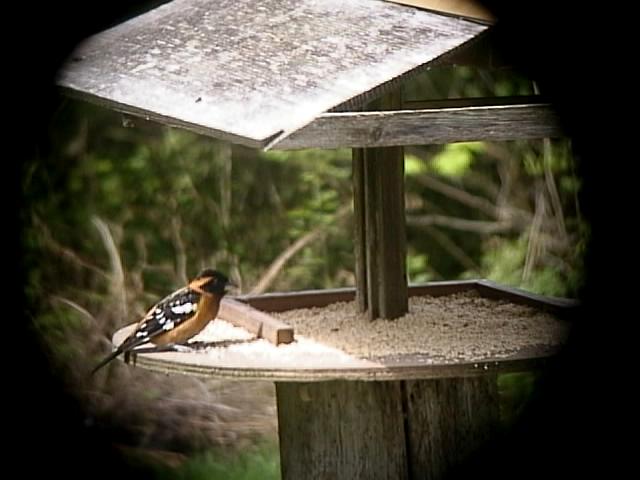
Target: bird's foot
183,348
169,347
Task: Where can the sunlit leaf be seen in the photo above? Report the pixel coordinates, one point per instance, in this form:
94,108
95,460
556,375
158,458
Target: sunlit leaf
456,159
413,165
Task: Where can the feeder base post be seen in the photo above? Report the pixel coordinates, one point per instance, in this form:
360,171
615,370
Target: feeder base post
414,429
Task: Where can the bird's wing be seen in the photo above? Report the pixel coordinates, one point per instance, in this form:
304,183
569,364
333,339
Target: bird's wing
165,315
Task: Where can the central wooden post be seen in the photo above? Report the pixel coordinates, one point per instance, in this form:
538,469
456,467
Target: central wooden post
407,430
380,227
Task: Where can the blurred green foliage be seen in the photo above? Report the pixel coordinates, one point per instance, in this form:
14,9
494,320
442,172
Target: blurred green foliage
455,159
257,463
515,390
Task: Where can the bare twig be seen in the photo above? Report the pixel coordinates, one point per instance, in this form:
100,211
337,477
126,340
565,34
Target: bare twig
505,168
454,250
181,251
576,200
500,212
276,266
481,181
83,311
236,276
499,152
478,226
534,247
63,251
116,284
556,204
550,182
462,196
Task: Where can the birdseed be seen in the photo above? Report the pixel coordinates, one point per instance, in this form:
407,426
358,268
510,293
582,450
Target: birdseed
462,327
458,327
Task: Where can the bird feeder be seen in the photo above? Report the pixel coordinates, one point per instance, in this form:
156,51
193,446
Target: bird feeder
291,74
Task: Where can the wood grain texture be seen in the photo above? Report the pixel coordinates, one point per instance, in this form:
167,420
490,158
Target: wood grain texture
248,70
423,127
390,218
372,186
341,430
235,365
359,228
386,233
280,301
198,365
380,242
259,323
447,421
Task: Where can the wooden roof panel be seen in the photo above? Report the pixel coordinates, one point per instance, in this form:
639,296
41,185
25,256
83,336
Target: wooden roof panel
248,70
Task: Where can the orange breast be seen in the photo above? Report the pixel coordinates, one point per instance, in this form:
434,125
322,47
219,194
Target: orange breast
207,310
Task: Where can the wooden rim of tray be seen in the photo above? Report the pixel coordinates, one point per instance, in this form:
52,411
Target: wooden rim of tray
404,367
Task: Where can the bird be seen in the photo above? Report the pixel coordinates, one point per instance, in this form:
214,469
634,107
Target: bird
177,317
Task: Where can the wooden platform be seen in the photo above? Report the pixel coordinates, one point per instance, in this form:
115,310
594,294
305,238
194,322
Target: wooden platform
342,417
305,360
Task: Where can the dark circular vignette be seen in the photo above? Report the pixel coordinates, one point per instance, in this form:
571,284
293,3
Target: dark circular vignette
578,56
47,433
572,426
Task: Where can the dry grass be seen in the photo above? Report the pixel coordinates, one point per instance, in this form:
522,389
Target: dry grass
137,407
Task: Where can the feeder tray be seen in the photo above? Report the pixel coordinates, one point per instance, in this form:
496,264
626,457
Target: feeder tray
312,361
344,417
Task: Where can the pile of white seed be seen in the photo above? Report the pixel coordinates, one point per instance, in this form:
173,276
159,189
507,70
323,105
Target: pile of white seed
233,347
454,328
458,327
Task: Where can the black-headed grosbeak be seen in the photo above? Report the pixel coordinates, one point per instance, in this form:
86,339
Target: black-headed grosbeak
177,317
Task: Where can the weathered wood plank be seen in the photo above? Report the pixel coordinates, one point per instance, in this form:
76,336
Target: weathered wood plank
372,187
391,224
259,323
422,127
447,421
380,244
331,367
280,301
490,289
341,430
248,70
359,228
201,366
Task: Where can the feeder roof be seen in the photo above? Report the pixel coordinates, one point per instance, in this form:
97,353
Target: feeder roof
255,71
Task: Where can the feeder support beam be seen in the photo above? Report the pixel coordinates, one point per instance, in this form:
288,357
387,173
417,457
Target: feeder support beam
380,226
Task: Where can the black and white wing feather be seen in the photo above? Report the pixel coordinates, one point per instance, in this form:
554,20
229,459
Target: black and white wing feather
164,316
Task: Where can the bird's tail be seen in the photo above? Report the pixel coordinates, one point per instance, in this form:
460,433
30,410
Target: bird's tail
111,356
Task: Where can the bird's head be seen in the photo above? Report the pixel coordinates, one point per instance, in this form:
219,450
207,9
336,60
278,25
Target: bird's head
211,281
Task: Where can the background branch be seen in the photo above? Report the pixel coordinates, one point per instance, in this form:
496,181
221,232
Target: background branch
269,276
116,277
454,250
180,249
462,196
478,226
